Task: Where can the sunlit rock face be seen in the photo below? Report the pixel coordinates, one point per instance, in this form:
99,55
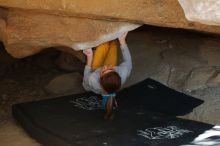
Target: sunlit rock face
155,12
29,32
2,25
2,29
203,11
33,25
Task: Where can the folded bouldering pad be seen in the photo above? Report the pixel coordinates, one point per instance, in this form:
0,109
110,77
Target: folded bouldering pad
146,116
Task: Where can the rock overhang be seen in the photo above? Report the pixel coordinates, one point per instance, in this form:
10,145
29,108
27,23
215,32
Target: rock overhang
31,26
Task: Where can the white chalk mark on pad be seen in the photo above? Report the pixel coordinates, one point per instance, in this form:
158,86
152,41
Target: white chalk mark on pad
87,103
169,132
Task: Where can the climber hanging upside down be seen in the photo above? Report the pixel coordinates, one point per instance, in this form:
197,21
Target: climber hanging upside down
103,76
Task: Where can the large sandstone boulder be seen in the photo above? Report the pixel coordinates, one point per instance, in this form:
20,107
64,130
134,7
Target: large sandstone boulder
2,29
155,12
2,24
203,11
29,32
31,26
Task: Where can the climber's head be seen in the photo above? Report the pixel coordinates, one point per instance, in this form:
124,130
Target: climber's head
110,79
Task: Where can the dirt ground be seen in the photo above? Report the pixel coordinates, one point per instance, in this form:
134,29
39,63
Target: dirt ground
25,79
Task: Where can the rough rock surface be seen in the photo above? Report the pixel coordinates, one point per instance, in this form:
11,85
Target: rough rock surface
155,12
2,29
65,83
215,80
3,15
30,32
69,62
203,11
198,78
209,111
32,26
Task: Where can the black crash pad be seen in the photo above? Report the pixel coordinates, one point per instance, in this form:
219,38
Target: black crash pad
157,97
141,118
